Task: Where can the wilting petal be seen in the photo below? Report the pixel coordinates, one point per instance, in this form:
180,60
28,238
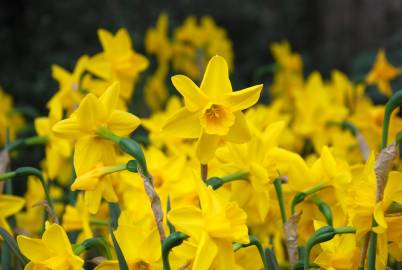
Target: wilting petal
193,97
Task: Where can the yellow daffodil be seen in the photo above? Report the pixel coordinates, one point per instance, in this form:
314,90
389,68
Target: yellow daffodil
340,253
58,150
76,218
53,251
94,114
70,90
215,225
118,61
9,205
9,119
157,41
382,72
212,111
139,243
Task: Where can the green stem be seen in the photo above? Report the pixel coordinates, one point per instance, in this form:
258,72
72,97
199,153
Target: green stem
324,209
93,242
217,182
394,208
391,105
300,196
19,143
253,242
101,222
173,240
105,133
279,194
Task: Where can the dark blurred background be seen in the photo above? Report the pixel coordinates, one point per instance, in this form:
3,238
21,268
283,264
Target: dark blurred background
342,34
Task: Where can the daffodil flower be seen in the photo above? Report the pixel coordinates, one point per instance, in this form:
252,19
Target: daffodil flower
382,72
215,225
212,112
92,115
139,243
9,205
118,61
53,251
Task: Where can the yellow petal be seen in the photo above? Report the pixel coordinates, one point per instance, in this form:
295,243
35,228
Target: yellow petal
123,123
85,182
90,112
68,128
88,152
34,249
56,240
243,99
272,133
205,254
93,200
42,126
206,147
393,189
216,81
123,40
60,74
108,191
110,97
239,132
106,39
183,124
10,205
108,265
328,162
187,219
193,97
379,218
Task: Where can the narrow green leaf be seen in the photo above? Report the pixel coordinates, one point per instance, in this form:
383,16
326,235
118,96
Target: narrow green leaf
12,245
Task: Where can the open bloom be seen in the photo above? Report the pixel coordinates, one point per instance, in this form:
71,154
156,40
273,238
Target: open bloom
9,205
53,251
118,61
212,111
382,72
214,226
92,115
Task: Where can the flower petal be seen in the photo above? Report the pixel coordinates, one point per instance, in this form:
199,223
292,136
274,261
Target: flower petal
243,99
88,151
184,124
216,78
55,238
67,128
187,219
34,249
205,254
239,132
89,112
206,147
93,200
110,97
123,123
10,205
193,97
108,265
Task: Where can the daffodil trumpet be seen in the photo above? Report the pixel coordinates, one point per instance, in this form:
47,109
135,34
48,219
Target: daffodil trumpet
173,240
323,234
91,243
26,171
301,196
254,242
217,182
20,143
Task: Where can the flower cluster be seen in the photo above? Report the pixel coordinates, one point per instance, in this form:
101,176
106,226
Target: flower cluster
212,178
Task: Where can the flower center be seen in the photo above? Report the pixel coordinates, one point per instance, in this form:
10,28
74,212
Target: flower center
217,119
141,265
